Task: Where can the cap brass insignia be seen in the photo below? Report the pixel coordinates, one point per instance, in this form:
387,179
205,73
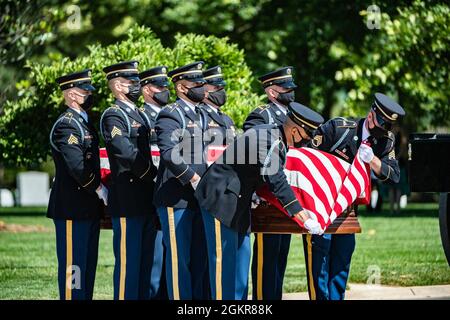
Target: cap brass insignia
288,71
115,132
317,140
395,116
72,139
219,69
199,66
89,73
164,70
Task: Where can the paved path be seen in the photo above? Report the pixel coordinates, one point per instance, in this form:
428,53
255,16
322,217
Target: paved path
379,292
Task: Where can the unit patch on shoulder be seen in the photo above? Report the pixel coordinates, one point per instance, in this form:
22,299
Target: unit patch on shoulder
317,140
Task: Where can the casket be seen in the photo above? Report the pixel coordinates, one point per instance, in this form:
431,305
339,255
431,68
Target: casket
268,219
265,218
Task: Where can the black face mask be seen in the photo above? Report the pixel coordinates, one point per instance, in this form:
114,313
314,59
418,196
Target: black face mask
162,98
302,143
88,102
134,92
286,97
218,97
196,94
377,132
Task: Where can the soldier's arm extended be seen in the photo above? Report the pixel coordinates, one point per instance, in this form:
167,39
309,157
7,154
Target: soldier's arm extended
117,138
256,117
168,129
277,181
67,138
389,169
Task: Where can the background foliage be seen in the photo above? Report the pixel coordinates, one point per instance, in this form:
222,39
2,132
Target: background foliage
339,62
26,121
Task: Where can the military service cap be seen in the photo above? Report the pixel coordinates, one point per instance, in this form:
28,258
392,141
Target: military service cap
305,117
281,77
80,80
156,76
388,109
213,76
127,69
190,72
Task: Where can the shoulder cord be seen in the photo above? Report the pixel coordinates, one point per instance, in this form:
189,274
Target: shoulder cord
54,127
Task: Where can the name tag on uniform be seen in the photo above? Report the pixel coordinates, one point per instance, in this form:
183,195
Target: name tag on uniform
213,124
342,154
191,124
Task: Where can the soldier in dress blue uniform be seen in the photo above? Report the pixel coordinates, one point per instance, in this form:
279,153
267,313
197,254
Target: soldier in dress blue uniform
74,203
220,129
126,135
180,127
270,251
328,256
225,194
156,94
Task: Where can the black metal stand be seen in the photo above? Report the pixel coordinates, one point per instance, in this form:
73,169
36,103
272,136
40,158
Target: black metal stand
444,223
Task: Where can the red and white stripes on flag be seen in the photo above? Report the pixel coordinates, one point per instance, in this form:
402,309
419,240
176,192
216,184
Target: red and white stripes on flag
105,170
324,184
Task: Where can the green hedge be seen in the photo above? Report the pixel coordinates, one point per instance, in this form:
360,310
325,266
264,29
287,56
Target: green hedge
26,122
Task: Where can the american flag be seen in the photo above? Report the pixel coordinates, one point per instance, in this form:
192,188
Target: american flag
213,153
324,184
105,170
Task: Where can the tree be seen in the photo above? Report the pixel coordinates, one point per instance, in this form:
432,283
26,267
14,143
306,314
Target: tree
408,58
26,122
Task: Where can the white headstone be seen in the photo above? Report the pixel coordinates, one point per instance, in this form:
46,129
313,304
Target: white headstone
32,187
6,198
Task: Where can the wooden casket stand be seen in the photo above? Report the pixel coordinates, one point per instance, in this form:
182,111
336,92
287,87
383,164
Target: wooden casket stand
268,219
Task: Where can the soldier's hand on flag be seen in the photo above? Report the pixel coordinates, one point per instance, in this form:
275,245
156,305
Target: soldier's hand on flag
313,226
102,193
195,181
256,200
366,153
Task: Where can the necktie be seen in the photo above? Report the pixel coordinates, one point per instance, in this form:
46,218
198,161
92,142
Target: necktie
198,111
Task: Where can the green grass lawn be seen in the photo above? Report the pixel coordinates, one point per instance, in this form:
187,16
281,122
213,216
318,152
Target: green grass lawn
406,249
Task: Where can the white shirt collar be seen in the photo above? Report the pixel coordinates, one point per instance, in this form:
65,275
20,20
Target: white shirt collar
212,107
282,108
132,106
365,132
189,104
154,107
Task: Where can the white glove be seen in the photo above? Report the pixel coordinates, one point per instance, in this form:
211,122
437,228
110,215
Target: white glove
102,193
313,226
195,184
256,200
366,153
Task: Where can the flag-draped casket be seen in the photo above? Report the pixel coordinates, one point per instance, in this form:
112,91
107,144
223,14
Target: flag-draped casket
325,185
